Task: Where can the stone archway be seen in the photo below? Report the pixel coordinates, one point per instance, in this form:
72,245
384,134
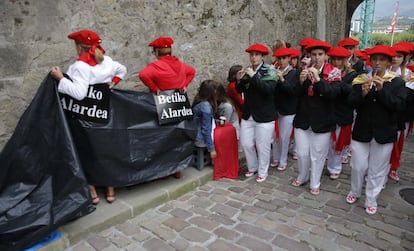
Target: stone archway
351,6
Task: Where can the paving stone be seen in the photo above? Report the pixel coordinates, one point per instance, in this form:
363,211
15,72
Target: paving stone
224,210
286,230
254,230
311,219
218,198
220,245
141,236
200,211
243,198
235,204
204,223
409,226
180,244
384,227
200,202
286,212
322,231
372,241
290,244
340,229
266,206
226,233
118,239
82,246
164,233
157,245
195,234
291,190
301,224
237,189
389,238
198,248
176,223
317,213
341,240
202,193
181,213
407,244
318,241
128,228
98,242
253,244
361,228
222,219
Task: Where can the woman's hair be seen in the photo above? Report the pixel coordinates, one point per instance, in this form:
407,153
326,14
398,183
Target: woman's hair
277,44
98,53
232,72
207,92
221,94
163,51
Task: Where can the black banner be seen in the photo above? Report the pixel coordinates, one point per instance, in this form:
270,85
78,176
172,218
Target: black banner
94,107
47,164
172,107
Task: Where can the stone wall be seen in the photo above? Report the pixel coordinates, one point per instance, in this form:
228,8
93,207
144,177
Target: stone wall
209,35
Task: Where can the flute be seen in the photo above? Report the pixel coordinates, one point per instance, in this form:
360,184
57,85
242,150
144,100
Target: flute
375,74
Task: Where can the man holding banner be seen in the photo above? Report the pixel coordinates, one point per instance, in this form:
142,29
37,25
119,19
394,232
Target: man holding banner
168,73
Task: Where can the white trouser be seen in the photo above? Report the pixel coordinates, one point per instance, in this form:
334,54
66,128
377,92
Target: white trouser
281,148
373,160
334,163
312,149
257,136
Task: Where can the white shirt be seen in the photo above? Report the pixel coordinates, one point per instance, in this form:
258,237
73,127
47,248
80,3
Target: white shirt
83,75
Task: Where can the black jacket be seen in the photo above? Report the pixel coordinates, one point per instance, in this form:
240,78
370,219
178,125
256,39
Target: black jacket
344,112
285,96
316,111
377,111
259,94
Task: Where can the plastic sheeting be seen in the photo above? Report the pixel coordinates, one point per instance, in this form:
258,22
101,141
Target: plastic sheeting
45,164
41,183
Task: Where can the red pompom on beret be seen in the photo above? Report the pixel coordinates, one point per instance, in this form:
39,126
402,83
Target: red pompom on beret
281,52
348,41
258,48
318,44
382,49
339,52
87,37
162,42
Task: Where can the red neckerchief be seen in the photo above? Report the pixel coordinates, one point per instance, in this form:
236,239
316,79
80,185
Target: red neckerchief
87,58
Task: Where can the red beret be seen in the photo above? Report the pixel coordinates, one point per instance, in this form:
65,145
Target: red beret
361,54
339,52
318,44
401,48
295,53
162,42
87,37
348,42
282,52
382,49
258,48
411,67
306,41
406,44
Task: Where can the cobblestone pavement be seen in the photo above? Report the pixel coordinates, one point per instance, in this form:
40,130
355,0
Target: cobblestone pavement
273,215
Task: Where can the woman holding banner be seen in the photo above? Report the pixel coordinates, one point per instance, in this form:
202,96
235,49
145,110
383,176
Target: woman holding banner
91,67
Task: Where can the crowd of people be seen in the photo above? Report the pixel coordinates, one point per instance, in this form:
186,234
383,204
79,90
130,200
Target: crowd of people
320,102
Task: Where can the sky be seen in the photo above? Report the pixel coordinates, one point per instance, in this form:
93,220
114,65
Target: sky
386,8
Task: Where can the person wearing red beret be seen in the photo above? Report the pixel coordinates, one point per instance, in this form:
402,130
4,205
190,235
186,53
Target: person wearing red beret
294,57
344,113
406,117
167,72
91,67
350,44
257,82
285,101
314,122
377,99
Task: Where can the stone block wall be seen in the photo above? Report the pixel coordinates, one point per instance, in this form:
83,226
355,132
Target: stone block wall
209,35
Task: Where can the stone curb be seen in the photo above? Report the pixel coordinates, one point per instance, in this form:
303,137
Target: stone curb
129,203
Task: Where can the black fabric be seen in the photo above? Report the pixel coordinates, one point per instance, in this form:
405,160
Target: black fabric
41,183
48,162
132,147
